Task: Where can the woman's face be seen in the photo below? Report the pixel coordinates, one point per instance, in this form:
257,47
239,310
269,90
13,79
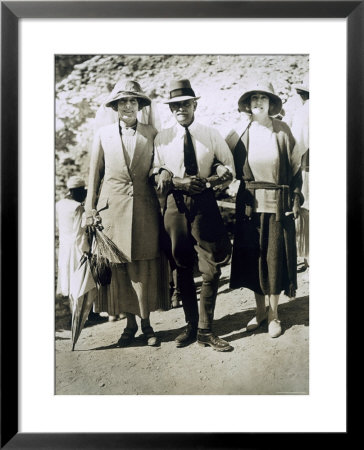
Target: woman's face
259,104
128,109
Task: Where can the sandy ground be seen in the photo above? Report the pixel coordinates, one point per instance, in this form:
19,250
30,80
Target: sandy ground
257,365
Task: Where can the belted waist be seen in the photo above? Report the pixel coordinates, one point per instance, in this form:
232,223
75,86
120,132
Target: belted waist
265,185
282,202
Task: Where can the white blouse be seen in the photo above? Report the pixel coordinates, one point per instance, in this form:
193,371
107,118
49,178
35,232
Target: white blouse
263,160
128,136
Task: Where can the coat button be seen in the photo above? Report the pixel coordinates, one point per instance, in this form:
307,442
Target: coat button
130,194
130,183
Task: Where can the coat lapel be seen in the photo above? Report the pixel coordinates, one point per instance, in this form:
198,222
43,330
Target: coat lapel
140,146
117,149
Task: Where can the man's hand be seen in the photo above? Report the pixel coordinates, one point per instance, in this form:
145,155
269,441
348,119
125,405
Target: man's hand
164,182
191,185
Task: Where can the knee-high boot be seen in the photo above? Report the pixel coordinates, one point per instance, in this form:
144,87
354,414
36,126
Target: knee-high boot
207,302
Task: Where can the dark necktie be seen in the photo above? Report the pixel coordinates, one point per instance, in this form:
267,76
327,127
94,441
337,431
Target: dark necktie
189,154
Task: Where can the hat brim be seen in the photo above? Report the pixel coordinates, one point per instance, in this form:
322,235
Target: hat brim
301,87
143,99
180,99
75,187
275,103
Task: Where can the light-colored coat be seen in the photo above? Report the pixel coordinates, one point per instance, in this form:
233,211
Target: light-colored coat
127,202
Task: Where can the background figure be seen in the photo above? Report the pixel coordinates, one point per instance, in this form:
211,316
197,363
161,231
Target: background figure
72,237
299,123
184,157
264,252
122,197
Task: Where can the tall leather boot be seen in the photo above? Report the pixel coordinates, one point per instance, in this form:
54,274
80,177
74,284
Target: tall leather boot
205,336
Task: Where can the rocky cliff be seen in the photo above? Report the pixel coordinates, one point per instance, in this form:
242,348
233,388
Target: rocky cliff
218,79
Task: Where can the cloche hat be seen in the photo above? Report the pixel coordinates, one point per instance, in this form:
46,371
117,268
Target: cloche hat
275,103
75,182
180,90
127,89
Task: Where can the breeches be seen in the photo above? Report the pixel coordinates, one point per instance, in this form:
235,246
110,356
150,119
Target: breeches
195,226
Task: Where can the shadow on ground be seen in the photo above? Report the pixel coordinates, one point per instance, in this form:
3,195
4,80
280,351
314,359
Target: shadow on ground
294,312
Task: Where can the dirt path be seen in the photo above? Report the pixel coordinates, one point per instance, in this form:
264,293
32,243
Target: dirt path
258,364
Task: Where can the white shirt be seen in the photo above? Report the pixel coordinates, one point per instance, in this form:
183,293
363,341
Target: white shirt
263,161
207,142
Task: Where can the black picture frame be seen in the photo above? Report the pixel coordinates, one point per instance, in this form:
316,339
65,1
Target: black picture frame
11,13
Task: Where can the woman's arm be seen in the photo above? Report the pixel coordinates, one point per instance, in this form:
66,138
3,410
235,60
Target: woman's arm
96,174
294,157
223,154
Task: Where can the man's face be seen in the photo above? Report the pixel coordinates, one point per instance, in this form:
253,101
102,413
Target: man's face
184,111
78,194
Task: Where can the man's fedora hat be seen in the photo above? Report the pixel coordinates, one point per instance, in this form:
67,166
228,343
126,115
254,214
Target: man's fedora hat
180,90
303,86
127,89
275,103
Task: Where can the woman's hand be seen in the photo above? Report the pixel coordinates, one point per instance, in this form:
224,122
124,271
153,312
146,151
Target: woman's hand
296,207
191,185
92,221
223,173
164,182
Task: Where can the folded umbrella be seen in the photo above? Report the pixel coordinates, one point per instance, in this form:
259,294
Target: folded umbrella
94,270
83,293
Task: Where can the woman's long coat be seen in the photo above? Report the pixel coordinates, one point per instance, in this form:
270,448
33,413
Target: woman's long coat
264,255
127,202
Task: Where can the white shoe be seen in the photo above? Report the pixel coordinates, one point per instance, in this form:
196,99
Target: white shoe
274,328
255,323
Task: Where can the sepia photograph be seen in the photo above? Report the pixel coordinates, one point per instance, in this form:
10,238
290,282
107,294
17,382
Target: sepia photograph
160,252
182,224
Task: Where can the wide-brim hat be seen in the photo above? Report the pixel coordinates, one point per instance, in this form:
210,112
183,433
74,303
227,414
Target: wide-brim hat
128,89
303,86
75,182
180,90
275,103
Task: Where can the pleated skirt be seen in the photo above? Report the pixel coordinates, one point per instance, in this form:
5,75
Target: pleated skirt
138,287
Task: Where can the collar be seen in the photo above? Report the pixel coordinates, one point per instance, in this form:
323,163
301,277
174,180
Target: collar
127,130
180,130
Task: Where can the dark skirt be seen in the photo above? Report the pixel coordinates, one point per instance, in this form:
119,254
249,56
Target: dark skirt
264,255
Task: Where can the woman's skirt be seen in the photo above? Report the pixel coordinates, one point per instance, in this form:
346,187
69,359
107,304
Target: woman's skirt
138,287
264,255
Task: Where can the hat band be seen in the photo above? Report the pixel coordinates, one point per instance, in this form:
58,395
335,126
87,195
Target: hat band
182,92
136,94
